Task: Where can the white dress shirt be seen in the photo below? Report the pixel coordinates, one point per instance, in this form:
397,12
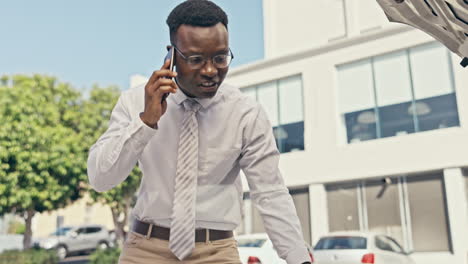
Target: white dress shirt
234,134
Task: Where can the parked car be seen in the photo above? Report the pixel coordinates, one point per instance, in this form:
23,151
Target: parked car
70,240
258,249
359,247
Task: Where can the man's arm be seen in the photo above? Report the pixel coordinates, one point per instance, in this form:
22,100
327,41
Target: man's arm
116,152
259,161
114,155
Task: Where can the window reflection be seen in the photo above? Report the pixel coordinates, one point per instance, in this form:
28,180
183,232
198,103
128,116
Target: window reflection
398,93
283,102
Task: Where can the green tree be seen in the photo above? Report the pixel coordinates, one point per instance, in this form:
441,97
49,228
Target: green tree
42,157
96,114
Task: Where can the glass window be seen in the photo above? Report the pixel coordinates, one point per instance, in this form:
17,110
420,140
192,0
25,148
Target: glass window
383,207
436,105
428,213
81,230
283,103
394,245
394,96
290,137
341,242
93,229
290,134
382,243
301,202
290,100
392,78
267,96
361,125
398,93
437,112
430,69
396,120
61,231
342,200
357,100
356,86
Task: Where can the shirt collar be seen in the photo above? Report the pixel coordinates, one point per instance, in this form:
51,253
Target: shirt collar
179,97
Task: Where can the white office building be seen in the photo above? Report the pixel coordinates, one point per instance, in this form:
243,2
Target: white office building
372,122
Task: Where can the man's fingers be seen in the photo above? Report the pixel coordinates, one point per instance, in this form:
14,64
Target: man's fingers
165,89
166,64
163,72
160,82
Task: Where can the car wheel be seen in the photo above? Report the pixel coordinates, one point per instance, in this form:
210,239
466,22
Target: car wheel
102,245
62,252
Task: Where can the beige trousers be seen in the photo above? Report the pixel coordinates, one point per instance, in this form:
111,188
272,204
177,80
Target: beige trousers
139,250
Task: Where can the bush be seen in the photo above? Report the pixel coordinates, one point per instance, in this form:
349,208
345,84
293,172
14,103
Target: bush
30,256
106,256
16,227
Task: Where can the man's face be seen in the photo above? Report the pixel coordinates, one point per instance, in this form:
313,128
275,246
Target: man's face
207,42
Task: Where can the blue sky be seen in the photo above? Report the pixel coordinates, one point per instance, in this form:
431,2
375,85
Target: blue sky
86,42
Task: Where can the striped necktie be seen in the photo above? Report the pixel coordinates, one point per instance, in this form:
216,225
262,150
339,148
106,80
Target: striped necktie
182,236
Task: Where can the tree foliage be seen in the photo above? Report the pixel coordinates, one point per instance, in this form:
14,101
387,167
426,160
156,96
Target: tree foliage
46,131
42,158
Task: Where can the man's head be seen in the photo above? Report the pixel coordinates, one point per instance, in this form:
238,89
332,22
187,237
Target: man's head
199,28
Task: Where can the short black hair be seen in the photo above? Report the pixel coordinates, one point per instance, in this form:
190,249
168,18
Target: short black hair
201,13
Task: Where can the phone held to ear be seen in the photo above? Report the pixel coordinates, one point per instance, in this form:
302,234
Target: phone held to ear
169,56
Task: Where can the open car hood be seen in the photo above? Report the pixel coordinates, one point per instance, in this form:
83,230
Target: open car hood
445,20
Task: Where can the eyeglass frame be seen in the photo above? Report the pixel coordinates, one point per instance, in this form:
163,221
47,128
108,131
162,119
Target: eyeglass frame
204,58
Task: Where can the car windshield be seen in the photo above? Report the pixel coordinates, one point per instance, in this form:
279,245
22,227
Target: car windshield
61,231
251,242
341,242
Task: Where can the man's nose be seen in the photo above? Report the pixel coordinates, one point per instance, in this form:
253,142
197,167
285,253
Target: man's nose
209,69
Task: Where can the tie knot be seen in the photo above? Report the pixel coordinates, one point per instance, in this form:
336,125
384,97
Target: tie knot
191,105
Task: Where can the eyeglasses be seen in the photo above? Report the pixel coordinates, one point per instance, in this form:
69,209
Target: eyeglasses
196,62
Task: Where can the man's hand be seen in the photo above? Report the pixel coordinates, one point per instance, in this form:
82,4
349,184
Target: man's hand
160,83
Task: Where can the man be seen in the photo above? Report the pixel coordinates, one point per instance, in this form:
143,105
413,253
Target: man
190,149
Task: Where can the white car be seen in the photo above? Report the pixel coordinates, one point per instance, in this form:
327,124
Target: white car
258,249
359,247
69,240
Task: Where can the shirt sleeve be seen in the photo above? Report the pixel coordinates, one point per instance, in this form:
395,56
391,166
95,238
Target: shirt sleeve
116,152
259,161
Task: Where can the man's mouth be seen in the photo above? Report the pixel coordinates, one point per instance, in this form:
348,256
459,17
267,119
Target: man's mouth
209,85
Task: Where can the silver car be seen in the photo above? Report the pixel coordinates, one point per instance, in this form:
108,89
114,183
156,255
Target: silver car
359,247
70,240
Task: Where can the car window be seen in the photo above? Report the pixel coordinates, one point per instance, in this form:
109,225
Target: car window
394,245
341,242
383,243
61,231
251,242
91,230
81,230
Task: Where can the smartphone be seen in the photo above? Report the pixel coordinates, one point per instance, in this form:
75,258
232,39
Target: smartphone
169,56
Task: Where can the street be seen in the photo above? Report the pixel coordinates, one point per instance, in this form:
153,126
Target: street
76,260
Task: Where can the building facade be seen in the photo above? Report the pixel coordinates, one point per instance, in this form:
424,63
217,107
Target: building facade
371,122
